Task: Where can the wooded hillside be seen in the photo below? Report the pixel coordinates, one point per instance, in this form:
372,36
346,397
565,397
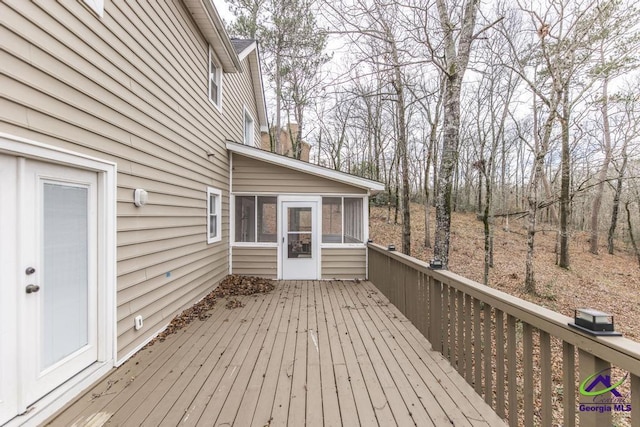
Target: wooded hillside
609,283
491,107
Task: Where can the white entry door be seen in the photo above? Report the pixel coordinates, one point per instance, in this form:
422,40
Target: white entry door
48,301
300,246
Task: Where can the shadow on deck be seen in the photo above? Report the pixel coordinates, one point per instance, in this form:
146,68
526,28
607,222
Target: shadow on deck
308,353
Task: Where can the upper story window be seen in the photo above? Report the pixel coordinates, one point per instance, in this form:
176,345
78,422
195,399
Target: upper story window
214,215
215,80
249,129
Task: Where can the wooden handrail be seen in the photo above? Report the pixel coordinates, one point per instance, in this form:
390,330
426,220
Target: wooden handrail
553,323
448,308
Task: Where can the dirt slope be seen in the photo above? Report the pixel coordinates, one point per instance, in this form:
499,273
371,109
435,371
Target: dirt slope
605,282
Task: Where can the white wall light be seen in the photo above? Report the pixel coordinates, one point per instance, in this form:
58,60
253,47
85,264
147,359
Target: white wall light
140,197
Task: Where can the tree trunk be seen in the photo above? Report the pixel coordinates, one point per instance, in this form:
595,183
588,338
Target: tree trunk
448,159
404,156
532,198
488,237
278,145
616,200
602,175
636,251
565,181
427,200
456,61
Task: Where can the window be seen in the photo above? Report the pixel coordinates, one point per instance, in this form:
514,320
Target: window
215,80
342,220
214,215
256,219
249,131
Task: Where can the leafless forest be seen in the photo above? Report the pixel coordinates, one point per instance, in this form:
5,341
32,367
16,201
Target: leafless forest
510,109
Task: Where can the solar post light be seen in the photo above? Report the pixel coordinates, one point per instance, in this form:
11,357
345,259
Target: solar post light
435,264
594,322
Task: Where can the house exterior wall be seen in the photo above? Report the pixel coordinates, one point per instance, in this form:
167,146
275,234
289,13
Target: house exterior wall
255,261
131,88
254,176
344,263
251,176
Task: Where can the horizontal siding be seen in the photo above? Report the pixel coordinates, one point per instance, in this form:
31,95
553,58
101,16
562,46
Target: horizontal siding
250,175
262,262
344,263
131,88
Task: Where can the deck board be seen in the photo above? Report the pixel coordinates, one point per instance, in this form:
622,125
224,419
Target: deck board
309,353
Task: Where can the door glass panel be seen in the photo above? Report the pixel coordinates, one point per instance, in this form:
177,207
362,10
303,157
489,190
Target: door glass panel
299,236
299,245
64,287
299,219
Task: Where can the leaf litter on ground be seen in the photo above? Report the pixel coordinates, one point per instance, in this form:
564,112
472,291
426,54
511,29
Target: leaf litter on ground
231,286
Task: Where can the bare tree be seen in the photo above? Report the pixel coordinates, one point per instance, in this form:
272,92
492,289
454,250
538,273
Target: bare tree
457,25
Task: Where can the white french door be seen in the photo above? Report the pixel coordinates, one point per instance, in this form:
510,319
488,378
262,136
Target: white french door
49,296
300,250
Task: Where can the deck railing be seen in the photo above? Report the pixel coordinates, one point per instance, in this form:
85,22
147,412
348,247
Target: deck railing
524,359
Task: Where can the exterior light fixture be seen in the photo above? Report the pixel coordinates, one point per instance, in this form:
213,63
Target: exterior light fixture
391,247
140,197
435,264
594,322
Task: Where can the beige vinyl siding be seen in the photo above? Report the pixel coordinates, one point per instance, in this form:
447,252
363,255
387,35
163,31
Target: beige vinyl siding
254,176
131,88
262,262
344,263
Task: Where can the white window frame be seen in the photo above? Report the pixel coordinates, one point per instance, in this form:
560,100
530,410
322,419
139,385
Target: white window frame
233,222
365,221
249,128
214,75
218,214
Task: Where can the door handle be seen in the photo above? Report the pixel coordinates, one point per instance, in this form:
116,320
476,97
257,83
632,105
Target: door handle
32,288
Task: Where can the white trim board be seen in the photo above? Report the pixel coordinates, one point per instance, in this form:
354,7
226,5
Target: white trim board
298,165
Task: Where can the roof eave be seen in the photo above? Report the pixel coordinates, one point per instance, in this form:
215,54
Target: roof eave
258,87
210,23
276,159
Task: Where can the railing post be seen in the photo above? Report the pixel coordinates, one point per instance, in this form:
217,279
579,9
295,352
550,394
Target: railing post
589,365
435,320
635,401
569,384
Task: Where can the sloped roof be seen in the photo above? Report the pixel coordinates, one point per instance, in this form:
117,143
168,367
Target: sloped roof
240,45
309,168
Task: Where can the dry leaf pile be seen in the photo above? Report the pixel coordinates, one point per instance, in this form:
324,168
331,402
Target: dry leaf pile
231,286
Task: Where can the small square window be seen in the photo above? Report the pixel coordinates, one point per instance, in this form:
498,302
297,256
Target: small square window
214,215
256,219
215,80
342,220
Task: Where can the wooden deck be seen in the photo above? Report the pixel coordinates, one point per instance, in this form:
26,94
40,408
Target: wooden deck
309,353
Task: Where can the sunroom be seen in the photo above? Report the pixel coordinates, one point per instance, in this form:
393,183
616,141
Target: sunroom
293,220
